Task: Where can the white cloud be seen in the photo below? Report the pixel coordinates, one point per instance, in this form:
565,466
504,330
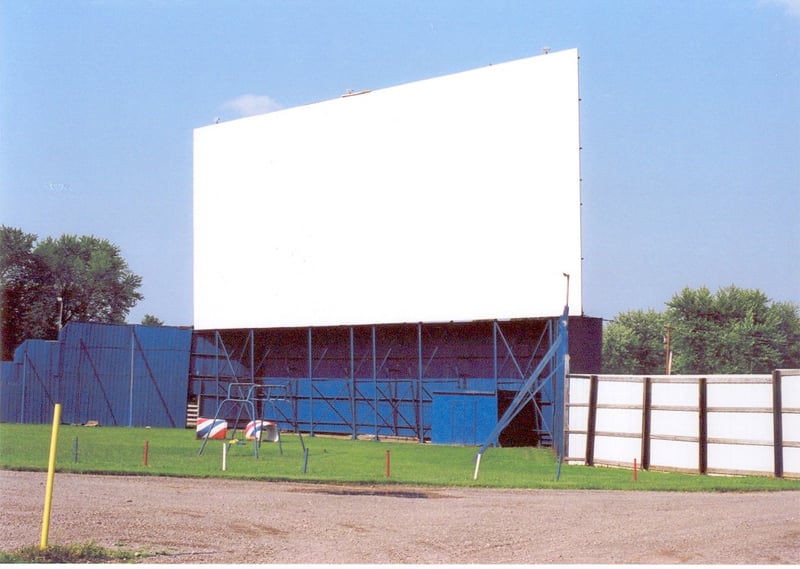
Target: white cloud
248,105
792,7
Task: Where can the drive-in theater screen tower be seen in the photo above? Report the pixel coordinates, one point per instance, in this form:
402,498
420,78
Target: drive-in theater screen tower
395,262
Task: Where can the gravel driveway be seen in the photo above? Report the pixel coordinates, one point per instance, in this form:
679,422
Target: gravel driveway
213,521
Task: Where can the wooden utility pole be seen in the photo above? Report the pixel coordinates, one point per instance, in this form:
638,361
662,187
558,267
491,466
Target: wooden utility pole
668,362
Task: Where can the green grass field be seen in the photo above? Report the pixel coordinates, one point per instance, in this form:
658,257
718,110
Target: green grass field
174,452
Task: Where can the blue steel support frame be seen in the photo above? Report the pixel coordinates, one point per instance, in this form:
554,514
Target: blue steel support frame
332,395
494,354
251,337
311,382
352,391
350,384
374,379
558,351
219,343
420,418
540,419
559,389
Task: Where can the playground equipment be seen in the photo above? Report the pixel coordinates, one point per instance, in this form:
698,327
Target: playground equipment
247,398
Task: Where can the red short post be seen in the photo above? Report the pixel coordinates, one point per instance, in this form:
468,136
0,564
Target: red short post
634,470
388,462
146,451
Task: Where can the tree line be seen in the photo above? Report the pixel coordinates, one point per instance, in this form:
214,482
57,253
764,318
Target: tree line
732,331
46,284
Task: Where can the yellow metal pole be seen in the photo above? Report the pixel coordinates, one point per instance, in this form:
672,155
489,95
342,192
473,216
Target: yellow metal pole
51,472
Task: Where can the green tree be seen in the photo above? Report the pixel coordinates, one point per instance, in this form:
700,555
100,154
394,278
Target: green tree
150,320
733,331
634,343
91,277
22,289
79,278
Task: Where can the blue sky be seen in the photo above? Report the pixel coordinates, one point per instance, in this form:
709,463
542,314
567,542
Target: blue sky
690,121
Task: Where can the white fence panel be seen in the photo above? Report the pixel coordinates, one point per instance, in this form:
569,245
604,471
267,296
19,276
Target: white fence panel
673,423
673,455
620,392
724,424
791,390
617,450
791,461
742,395
623,421
674,394
740,459
746,427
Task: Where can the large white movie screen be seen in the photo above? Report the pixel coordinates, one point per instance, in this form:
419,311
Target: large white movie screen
450,199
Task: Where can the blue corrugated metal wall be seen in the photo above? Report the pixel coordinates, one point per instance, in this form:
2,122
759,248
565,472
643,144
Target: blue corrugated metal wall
463,418
29,384
115,374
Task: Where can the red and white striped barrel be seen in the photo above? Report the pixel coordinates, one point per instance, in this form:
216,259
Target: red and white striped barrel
214,429
267,430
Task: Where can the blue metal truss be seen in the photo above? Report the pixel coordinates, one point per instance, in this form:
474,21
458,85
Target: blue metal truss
377,380
550,372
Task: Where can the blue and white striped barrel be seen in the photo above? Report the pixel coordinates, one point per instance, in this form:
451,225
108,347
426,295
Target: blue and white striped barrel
214,429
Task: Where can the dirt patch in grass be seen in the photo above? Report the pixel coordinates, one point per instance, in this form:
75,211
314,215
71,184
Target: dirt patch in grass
231,521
